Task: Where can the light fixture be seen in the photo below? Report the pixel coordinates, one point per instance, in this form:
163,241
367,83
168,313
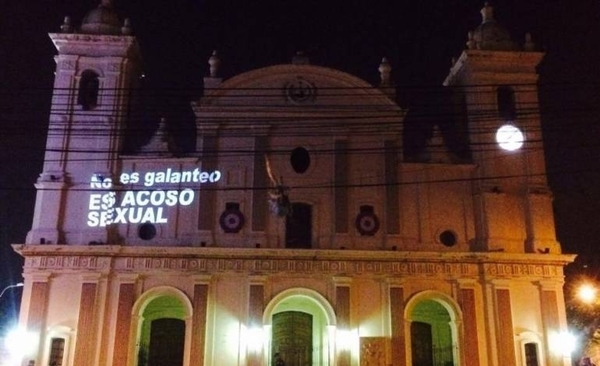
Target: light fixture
20,343
563,343
587,293
346,339
255,338
20,284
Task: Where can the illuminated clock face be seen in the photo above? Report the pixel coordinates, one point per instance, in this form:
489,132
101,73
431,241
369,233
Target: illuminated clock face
510,137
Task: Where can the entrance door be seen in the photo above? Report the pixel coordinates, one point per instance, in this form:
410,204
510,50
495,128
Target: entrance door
166,342
422,345
298,227
292,338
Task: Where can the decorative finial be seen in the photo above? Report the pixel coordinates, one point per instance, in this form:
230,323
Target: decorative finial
487,13
214,62
66,26
437,150
471,43
529,45
300,58
386,85
126,28
162,131
162,142
384,71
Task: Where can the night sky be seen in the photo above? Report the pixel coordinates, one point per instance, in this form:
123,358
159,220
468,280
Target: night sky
418,37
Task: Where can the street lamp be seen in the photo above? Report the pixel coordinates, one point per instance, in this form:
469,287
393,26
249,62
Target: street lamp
20,284
8,339
587,293
583,310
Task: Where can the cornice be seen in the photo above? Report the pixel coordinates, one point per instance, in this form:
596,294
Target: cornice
271,261
489,64
95,45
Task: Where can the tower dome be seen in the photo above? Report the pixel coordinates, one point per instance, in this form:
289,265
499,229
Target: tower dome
102,20
490,35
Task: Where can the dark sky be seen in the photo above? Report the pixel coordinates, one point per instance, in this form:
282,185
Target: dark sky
419,38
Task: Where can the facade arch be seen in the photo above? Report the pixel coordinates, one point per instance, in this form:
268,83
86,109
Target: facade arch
161,320
433,330
530,349
58,345
300,326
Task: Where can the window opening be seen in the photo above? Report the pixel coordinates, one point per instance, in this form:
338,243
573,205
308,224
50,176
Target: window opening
147,231
298,227
88,90
57,350
506,103
300,160
232,206
531,354
448,238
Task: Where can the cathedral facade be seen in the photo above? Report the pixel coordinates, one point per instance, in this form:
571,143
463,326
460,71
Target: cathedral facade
298,231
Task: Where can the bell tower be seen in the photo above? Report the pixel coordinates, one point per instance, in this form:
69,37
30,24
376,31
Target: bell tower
97,67
497,82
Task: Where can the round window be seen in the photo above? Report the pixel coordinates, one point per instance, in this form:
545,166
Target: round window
448,238
147,231
300,160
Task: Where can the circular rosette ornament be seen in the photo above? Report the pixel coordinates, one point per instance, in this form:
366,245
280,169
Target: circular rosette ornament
367,223
231,221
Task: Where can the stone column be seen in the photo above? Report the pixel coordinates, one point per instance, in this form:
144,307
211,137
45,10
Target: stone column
38,303
550,318
470,339
122,340
207,200
505,339
397,320
256,306
85,349
200,303
259,179
342,308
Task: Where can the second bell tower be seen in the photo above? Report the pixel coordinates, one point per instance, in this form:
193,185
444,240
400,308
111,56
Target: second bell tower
497,81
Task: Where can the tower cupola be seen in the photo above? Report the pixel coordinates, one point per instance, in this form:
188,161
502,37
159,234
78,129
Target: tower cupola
490,35
102,20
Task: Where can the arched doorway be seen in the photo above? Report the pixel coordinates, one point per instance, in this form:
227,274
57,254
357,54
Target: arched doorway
433,330
162,331
301,323
166,345
292,337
